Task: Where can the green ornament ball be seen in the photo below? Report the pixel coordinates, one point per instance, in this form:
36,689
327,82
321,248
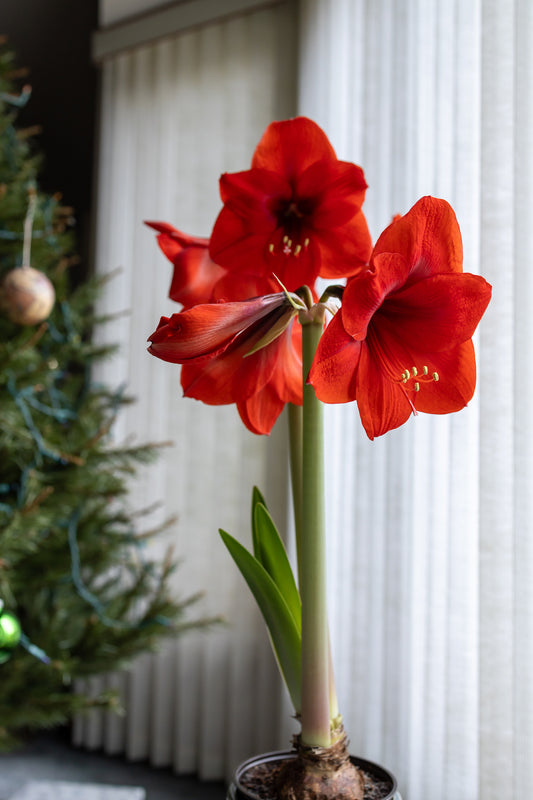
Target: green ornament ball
10,632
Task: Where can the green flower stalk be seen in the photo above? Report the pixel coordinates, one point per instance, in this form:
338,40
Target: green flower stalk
315,717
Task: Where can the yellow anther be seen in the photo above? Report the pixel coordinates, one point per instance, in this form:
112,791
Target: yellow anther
297,249
271,248
423,377
306,242
289,243
285,239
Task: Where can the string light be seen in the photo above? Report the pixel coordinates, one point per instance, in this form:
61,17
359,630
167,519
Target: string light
86,594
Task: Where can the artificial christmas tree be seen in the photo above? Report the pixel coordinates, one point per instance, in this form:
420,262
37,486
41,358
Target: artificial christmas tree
75,590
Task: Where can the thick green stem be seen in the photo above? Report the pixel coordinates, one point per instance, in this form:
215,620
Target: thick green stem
334,712
315,645
295,443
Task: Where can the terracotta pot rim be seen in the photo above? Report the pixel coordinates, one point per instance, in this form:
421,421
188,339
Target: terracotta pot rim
277,755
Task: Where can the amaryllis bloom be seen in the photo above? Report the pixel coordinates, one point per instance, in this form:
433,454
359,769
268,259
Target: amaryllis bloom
248,353
402,341
195,275
196,278
295,214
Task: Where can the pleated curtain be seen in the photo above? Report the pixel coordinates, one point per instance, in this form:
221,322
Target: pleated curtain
175,115
430,527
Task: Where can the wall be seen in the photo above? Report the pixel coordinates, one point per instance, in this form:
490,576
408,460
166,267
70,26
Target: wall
52,39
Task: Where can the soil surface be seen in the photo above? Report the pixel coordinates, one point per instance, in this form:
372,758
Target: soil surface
261,780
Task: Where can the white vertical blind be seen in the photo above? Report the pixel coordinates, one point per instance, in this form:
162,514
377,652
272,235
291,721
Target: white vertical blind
432,527
174,116
523,392
497,532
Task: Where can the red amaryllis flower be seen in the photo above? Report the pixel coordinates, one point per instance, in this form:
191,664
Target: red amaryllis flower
196,278
195,275
296,213
248,353
402,339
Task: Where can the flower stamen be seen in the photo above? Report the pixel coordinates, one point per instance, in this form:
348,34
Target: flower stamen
423,378
287,247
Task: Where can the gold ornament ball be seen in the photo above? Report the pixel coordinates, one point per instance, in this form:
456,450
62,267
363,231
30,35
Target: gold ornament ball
27,296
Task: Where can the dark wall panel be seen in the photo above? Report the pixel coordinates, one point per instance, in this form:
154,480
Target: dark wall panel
52,39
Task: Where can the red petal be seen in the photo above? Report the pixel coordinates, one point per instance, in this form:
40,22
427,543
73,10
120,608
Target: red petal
225,379
291,146
195,277
211,382
251,195
241,286
457,381
160,325
169,246
260,412
335,363
184,239
232,376
334,189
439,312
235,247
428,237
344,251
286,376
382,403
364,294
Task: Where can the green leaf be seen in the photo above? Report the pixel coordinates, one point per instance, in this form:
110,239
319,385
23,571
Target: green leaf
257,497
284,632
270,551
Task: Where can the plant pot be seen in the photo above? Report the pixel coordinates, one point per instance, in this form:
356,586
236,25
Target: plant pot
267,762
